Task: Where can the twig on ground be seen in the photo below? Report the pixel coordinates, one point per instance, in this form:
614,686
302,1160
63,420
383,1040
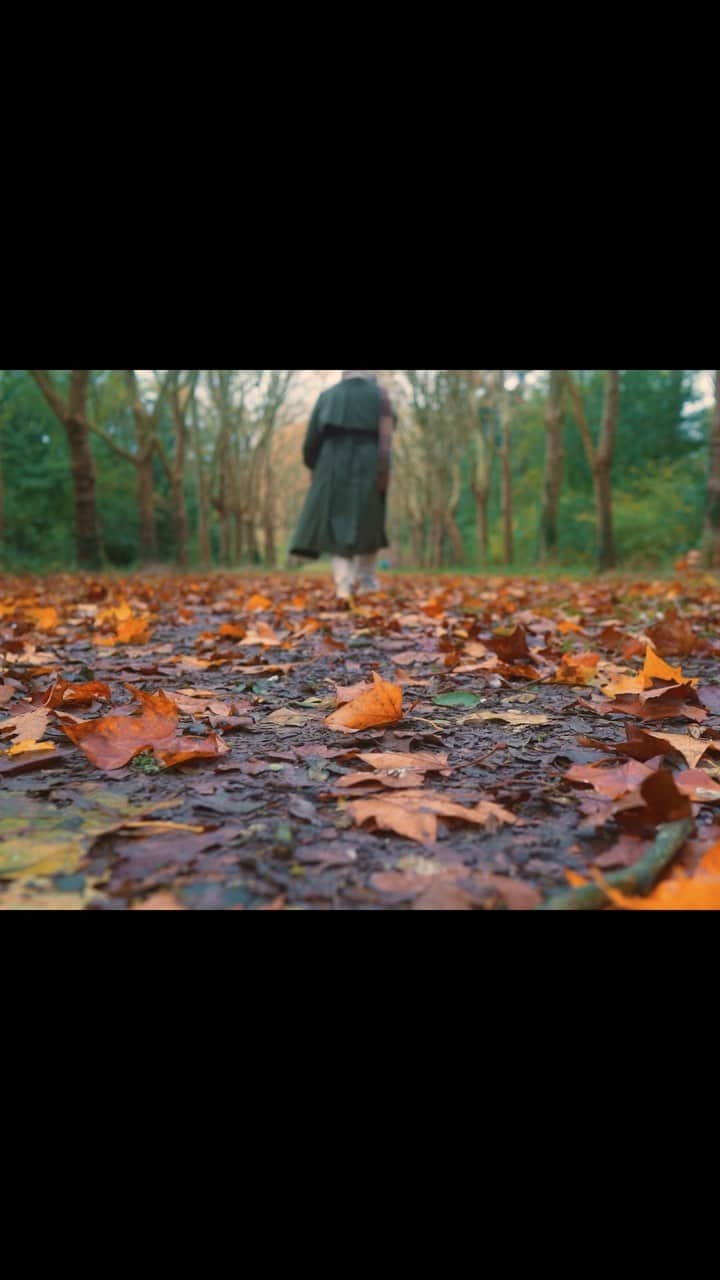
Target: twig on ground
639,879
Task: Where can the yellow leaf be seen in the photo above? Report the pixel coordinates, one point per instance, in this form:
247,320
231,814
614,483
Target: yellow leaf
29,744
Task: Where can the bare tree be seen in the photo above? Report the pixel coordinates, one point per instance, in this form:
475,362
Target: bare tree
249,404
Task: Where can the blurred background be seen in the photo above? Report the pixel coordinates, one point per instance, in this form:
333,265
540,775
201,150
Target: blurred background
493,469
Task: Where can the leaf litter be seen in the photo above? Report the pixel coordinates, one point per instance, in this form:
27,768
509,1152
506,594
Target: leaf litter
355,760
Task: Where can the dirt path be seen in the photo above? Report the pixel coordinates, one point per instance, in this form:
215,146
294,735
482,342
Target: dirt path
269,821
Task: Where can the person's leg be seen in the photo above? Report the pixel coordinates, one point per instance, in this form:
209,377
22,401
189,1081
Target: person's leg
343,573
365,567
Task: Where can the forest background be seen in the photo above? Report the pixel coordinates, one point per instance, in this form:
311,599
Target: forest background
493,469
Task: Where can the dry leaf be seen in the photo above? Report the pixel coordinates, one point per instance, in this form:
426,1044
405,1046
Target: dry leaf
29,744
414,814
382,705
66,694
163,900
287,717
699,892
508,717
419,761
27,725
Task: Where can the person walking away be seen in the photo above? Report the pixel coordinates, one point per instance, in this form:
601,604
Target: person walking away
348,448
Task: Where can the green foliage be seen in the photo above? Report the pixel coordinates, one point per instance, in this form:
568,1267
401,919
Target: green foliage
659,475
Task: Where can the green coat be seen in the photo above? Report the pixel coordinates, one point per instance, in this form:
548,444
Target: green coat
344,512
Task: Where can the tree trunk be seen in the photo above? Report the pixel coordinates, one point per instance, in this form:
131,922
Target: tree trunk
269,512
482,502
72,413
242,547
180,520
146,509
600,460
181,396
603,509
554,460
87,531
712,511
507,493
485,448
224,522
203,496
2,491
451,527
603,470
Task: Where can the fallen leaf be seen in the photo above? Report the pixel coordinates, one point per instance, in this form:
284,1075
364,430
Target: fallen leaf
66,694
382,705
288,718
508,717
163,900
414,814
349,693
691,749
27,725
698,785
672,635
420,761
463,698
681,892
611,782
111,742
22,748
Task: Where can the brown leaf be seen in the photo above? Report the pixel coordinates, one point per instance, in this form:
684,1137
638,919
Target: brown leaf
180,750
198,702
382,777
624,853
163,900
672,636
287,717
262,634
664,802
390,816
66,694
611,782
419,761
689,748
508,717
349,693
414,814
114,740
510,647
382,705
444,895
698,785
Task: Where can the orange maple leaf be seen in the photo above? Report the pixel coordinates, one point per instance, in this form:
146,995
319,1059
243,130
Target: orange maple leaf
381,705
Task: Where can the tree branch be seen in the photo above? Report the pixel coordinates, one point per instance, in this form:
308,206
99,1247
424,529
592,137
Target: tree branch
50,392
579,415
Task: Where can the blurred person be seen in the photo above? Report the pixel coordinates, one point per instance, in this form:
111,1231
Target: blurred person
348,448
